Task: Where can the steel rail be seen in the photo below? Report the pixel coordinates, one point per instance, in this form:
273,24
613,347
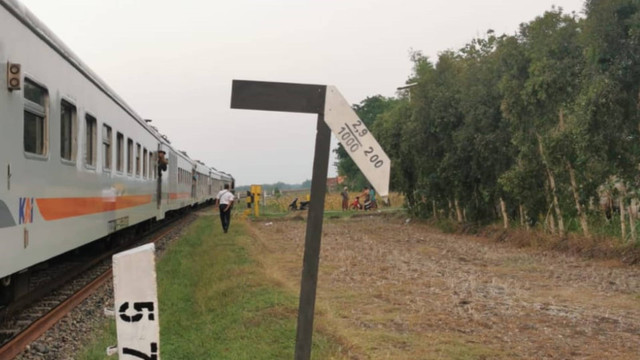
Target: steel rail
20,342
16,345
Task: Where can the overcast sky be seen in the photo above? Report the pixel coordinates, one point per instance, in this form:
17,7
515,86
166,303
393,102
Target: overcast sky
173,62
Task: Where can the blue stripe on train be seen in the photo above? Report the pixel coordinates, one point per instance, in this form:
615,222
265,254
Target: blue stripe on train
6,220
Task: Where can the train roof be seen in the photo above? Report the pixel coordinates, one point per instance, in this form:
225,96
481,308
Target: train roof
26,17
216,174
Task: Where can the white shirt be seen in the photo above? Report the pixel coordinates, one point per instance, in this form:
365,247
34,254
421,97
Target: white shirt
225,197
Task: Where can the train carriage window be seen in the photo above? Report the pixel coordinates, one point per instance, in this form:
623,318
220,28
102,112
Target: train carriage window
129,156
91,135
152,174
144,163
36,99
68,131
137,159
119,152
106,146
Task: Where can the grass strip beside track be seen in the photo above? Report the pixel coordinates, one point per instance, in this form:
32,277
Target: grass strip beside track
217,303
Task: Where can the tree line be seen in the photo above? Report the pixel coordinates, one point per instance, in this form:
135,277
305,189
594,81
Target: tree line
541,127
277,187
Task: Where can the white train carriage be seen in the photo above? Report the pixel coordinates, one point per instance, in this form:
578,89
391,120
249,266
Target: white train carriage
227,179
77,162
179,190
202,183
220,178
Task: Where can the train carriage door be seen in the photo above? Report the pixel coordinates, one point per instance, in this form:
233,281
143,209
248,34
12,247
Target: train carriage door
159,189
210,183
193,183
160,167
173,176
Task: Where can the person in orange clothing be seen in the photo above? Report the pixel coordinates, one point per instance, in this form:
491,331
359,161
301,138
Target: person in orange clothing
355,205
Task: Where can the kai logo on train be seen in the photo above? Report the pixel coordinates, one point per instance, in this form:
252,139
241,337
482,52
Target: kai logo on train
25,213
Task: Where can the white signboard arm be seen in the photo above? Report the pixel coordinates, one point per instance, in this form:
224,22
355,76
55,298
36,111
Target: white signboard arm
357,140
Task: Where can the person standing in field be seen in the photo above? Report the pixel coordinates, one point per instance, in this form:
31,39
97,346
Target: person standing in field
366,198
224,201
345,199
372,198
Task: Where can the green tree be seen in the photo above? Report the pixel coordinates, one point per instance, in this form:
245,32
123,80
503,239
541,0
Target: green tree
540,83
608,103
484,140
388,130
534,122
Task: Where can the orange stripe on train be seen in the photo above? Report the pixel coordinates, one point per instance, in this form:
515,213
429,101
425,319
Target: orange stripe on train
60,208
184,195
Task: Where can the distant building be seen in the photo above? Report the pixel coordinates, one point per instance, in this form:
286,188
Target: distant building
334,182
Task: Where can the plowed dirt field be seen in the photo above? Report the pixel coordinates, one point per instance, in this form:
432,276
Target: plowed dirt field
392,289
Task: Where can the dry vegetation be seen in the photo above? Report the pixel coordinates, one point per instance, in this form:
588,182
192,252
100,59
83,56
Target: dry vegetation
392,289
333,200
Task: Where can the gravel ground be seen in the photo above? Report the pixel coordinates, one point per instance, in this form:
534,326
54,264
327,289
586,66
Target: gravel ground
396,289
63,341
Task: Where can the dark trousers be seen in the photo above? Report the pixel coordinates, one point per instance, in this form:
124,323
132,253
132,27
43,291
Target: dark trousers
225,217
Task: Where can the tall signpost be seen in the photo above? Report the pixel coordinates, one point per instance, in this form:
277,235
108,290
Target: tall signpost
334,114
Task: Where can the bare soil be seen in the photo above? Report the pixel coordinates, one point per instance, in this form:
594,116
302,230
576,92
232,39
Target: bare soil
392,288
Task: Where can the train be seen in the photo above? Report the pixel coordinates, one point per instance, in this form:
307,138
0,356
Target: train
77,163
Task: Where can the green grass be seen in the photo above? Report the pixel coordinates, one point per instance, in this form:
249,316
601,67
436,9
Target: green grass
105,337
216,303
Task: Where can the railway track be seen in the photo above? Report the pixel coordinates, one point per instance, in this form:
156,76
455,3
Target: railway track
21,325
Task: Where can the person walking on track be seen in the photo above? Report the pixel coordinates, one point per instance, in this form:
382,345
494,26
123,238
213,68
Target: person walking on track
224,201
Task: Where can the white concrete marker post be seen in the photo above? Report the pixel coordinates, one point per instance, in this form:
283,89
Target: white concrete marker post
359,143
136,303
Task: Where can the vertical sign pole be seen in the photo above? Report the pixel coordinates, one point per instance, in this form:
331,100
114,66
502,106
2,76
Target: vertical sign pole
330,105
313,236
